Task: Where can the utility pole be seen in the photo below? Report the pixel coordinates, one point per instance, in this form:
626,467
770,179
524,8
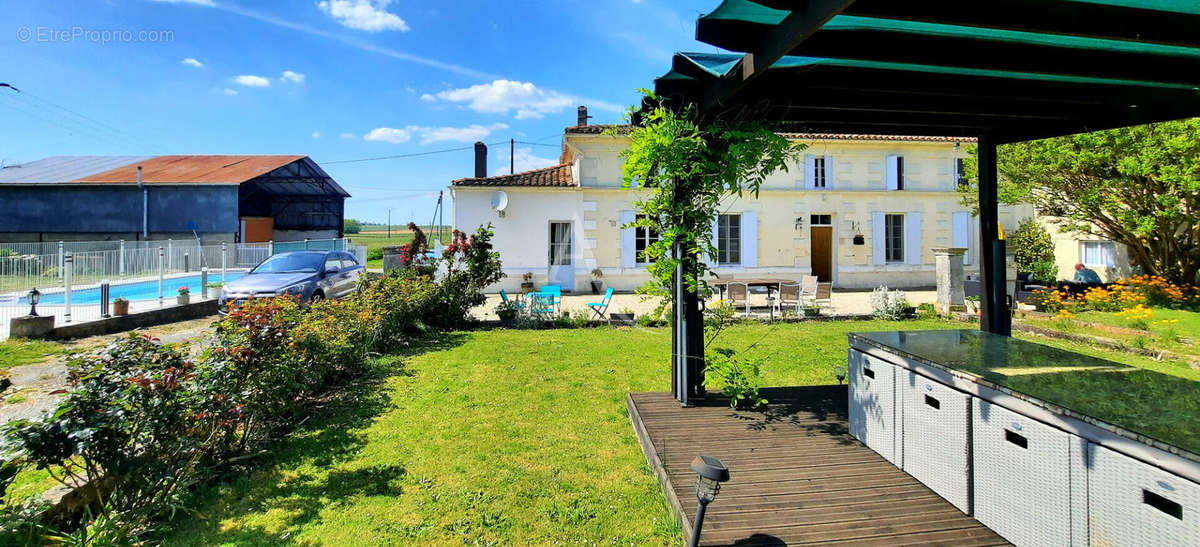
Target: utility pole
389,222
512,156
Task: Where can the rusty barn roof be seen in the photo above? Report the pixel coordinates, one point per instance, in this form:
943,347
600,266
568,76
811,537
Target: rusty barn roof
193,170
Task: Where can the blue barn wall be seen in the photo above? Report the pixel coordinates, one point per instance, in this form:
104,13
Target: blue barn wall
116,209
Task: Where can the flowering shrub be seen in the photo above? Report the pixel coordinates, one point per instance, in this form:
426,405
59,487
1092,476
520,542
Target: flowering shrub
471,265
1137,317
890,305
1158,292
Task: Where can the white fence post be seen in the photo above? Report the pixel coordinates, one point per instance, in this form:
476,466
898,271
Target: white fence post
68,261
61,264
170,254
224,250
160,274
204,282
121,259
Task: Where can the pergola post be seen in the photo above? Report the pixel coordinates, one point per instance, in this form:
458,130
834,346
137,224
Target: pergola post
687,326
995,316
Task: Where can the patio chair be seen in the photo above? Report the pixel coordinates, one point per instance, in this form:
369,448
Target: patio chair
514,303
808,290
739,295
824,295
789,295
556,292
601,308
541,305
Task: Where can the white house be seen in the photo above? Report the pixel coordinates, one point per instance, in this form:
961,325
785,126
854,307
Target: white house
859,211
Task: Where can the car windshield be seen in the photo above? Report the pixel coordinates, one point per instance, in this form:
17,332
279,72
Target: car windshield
292,263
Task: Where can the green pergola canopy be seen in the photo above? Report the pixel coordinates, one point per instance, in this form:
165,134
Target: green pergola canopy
1011,69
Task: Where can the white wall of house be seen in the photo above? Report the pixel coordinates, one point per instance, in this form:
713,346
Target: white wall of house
1107,258
776,227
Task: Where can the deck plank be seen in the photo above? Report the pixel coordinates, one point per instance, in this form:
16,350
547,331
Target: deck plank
797,476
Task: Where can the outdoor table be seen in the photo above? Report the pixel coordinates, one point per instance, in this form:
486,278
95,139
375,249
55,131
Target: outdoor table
769,283
1042,445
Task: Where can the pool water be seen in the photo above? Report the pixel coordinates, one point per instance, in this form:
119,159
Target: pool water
141,290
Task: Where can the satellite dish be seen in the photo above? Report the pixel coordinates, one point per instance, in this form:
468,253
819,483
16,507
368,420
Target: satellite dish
499,200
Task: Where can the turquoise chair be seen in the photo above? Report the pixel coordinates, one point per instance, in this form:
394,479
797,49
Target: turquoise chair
556,291
601,308
517,304
541,304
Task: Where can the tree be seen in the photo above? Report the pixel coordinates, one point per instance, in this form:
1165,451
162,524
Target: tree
1033,250
688,165
1138,186
351,226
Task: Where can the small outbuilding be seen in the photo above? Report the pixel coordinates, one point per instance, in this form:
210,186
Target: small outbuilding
219,198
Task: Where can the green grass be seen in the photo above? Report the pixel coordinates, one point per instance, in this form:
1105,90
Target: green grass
20,351
376,243
1188,325
501,437
1161,337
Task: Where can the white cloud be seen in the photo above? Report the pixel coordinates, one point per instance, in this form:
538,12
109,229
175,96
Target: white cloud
192,62
503,96
389,134
523,159
316,134
294,77
348,136
250,80
230,92
429,135
368,15
428,98
208,3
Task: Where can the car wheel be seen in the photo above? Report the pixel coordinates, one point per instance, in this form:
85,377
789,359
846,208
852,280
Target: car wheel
316,297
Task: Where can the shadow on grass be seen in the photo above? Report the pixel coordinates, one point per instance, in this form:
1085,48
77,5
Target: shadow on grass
334,435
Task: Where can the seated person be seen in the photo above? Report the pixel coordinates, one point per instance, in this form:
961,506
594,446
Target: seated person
1084,274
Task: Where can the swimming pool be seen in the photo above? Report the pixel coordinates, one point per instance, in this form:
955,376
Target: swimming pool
140,290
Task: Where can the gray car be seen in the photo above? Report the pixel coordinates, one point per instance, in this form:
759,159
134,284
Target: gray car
309,275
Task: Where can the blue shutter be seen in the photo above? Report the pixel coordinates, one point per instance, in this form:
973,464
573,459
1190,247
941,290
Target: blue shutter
962,233
750,239
893,172
878,235
810,170
912,238
628,245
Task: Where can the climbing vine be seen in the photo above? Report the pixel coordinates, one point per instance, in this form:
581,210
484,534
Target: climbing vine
688,165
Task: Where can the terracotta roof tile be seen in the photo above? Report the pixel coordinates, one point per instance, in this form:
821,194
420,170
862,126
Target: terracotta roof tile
553,176
621,129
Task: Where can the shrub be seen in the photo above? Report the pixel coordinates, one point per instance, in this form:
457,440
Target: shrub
890,305
471,265
351,226
740,378
1033,249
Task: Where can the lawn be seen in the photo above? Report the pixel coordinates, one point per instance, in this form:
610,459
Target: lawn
501,437
1188,324
18,351
375,243
1160,337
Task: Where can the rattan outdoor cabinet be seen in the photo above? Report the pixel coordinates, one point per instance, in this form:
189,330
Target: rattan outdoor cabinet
1024,474
936,426
873,405
1134,503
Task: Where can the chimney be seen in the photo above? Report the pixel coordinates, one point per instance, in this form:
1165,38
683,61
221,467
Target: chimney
480,159
583,116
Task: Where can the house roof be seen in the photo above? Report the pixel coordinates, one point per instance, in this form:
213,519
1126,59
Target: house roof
553,176
61,169
155,169
193,170
626,128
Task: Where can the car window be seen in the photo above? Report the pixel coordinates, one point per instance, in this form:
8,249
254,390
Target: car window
350,261
333,263
291,263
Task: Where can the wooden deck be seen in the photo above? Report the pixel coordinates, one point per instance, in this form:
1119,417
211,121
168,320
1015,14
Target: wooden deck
796,475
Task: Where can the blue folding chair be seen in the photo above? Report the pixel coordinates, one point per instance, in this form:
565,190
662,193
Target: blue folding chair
601,308
514,303
556,292
541,304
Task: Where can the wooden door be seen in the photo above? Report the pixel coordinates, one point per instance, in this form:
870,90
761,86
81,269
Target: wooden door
822,253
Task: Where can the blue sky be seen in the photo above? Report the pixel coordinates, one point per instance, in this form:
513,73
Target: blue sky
332,79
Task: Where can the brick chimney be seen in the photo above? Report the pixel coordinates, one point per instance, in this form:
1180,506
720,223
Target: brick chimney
583,116
480,159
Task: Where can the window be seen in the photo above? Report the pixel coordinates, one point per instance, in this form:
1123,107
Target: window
729,239
560,243
643,237
1097,253
818,172
960,172
894,238
820,220
899,172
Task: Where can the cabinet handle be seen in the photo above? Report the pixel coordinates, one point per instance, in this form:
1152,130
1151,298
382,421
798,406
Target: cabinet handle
1162,504
1016,439
868,373
933,402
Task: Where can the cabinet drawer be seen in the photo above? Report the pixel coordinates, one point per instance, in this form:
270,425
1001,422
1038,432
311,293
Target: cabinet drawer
873,404
936,422
1135,503
1024,476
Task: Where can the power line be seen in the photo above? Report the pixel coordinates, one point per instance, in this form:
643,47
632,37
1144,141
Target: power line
412,155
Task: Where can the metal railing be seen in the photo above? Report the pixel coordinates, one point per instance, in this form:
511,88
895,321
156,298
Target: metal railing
70,282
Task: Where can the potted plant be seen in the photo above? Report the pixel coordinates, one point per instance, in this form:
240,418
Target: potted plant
597,281
507,311
812,310
120,306
527,282
625,317
184,296
972,305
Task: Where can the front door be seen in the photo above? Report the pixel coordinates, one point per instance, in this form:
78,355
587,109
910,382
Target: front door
562,266
822,253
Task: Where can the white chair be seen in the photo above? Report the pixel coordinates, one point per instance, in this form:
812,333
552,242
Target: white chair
808,290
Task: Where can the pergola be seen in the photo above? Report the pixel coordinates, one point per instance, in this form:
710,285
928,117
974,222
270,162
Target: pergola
1000,70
